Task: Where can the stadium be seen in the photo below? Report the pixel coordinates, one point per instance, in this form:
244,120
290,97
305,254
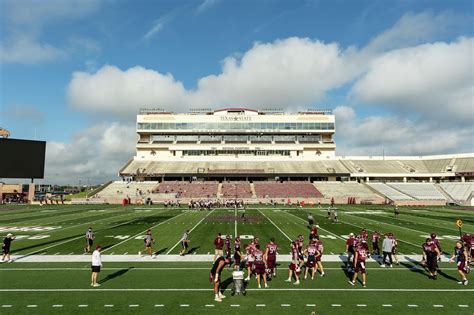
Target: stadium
239,172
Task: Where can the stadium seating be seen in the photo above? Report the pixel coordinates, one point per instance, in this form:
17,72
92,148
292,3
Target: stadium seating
236,189
464,165
459,192
188,189
437,165
121,189
420,191
389,192
286,189
345,190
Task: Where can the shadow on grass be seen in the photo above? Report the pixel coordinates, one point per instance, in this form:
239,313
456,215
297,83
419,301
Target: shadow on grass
192,250
161,251
114,275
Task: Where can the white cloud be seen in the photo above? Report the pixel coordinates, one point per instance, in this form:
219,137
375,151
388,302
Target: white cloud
285,73
289,73
25,21
397,135
205,5
29,51
94,155
435,80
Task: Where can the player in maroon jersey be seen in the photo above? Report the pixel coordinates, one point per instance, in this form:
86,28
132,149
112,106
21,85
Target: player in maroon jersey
250,259
237,253
375,243
260,265
270,255
435,241
228,246
364,234
300,244
350,251
430,255
320,248
312,253
359,261
460,253
294,268
314,232
468,241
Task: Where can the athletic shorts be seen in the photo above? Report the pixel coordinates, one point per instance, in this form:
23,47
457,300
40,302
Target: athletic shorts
271,263
461,266
185,245
311,262
90,242
250,264
319,258
6,250
212,276
350,249
432,263
360,267
292,266
237,259
259,269
95,268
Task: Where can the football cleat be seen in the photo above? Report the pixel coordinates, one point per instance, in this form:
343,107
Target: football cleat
351,282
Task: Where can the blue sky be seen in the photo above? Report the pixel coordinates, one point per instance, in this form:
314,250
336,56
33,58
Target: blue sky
74,72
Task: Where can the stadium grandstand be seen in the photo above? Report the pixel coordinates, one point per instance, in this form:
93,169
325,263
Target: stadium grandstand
271,155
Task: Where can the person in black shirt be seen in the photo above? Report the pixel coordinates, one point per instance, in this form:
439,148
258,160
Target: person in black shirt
215,276
6,247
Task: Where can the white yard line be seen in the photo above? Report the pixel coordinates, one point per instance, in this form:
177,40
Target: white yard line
73,239
141,233
275,225
190,231
235,223
210,289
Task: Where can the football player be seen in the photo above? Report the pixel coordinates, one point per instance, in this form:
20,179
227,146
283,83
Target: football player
350,250
294,265
460,253
237,253
430,255
375,243
260,265
149,241
320,248
270,255
215,276
311,252
359,262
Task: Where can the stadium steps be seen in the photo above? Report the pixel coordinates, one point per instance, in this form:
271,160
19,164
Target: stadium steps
446,195
252,188
219,190
99,189
402,192
375,191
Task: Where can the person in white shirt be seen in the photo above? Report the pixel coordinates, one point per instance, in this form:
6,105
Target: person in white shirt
96,264
184,243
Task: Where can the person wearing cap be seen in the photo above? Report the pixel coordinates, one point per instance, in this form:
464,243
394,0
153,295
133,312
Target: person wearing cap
89,240
7,241
96,265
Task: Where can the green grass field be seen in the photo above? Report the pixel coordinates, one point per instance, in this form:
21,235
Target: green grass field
144,285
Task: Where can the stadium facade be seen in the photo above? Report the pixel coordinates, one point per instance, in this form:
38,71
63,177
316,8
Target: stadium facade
263,155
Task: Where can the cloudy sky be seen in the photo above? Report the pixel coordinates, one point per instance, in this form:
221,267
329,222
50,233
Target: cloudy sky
399,75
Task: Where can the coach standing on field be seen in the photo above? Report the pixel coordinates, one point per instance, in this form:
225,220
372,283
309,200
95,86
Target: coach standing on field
387,247
6,247
96,264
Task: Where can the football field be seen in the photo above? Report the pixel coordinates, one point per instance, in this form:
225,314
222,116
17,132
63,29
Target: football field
51,274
